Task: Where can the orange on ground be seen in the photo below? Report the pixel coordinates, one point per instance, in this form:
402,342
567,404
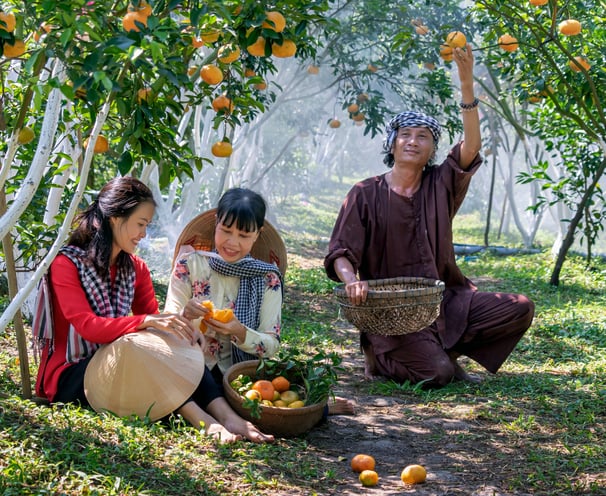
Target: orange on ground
570,27
26,135
101,145
221,149
285,49
508,43
14,51
334,123
7,21
228,53
131,18
413,474
275,21
362,462
313,69
456,39
211,74
352,108
583,62
222,103
257,49
538,2
280,384
369,478
446,53
264,387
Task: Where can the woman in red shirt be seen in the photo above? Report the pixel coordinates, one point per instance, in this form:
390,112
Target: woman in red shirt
101,291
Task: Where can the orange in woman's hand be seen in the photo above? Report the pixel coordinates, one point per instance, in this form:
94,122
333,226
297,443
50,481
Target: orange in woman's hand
222,315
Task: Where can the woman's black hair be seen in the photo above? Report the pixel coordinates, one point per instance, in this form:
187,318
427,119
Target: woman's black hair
243,207
93,233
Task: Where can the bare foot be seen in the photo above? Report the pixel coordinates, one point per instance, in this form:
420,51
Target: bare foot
341,406
235,424
221,434
462,375
203,421
247,430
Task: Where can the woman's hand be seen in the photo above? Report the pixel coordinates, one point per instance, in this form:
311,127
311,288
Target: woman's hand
232,328
194,309
174,323
357,291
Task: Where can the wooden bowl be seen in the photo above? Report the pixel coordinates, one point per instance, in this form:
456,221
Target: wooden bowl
279,421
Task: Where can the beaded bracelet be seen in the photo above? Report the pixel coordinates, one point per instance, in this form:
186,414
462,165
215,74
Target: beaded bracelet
468,107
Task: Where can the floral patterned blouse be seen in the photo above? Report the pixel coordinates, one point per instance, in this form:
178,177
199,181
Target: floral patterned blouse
192,277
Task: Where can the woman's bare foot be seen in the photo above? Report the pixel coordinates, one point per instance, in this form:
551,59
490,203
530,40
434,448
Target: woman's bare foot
341,406
203,421
235,424
221,434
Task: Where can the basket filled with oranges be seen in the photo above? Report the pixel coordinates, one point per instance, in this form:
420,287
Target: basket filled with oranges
283,397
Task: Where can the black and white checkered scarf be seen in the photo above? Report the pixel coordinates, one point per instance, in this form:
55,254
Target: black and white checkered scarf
252,274
408,119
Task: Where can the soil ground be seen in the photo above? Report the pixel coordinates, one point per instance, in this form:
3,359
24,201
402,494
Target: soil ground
446,438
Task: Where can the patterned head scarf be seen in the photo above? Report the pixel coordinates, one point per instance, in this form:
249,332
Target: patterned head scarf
408,119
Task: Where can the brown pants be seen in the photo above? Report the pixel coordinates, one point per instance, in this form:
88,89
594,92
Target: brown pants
496,322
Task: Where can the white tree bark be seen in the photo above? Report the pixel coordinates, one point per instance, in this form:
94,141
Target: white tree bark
41,158
31,284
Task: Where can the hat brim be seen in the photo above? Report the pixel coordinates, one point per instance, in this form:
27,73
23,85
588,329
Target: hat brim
148,373
200,234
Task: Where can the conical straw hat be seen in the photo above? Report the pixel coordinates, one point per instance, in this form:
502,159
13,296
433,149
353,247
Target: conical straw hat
200,234
147,373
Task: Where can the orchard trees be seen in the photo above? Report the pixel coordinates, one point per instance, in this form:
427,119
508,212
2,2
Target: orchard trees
558,67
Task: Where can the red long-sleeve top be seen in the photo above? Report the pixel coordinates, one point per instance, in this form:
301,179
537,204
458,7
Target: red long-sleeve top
71,306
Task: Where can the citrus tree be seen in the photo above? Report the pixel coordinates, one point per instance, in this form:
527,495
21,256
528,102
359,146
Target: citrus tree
91,89
551,54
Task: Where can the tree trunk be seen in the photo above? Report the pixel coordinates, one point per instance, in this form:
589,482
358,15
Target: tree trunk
572,227
7,246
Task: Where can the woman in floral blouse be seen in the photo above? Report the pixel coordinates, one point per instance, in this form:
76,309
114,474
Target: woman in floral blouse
231,278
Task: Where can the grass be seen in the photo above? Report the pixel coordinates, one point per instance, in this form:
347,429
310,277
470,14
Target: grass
539,422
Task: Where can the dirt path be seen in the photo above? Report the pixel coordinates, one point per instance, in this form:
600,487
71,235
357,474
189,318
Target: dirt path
449,439
453,447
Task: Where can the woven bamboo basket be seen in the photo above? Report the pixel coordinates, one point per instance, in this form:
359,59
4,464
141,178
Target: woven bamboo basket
279,421
394,306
